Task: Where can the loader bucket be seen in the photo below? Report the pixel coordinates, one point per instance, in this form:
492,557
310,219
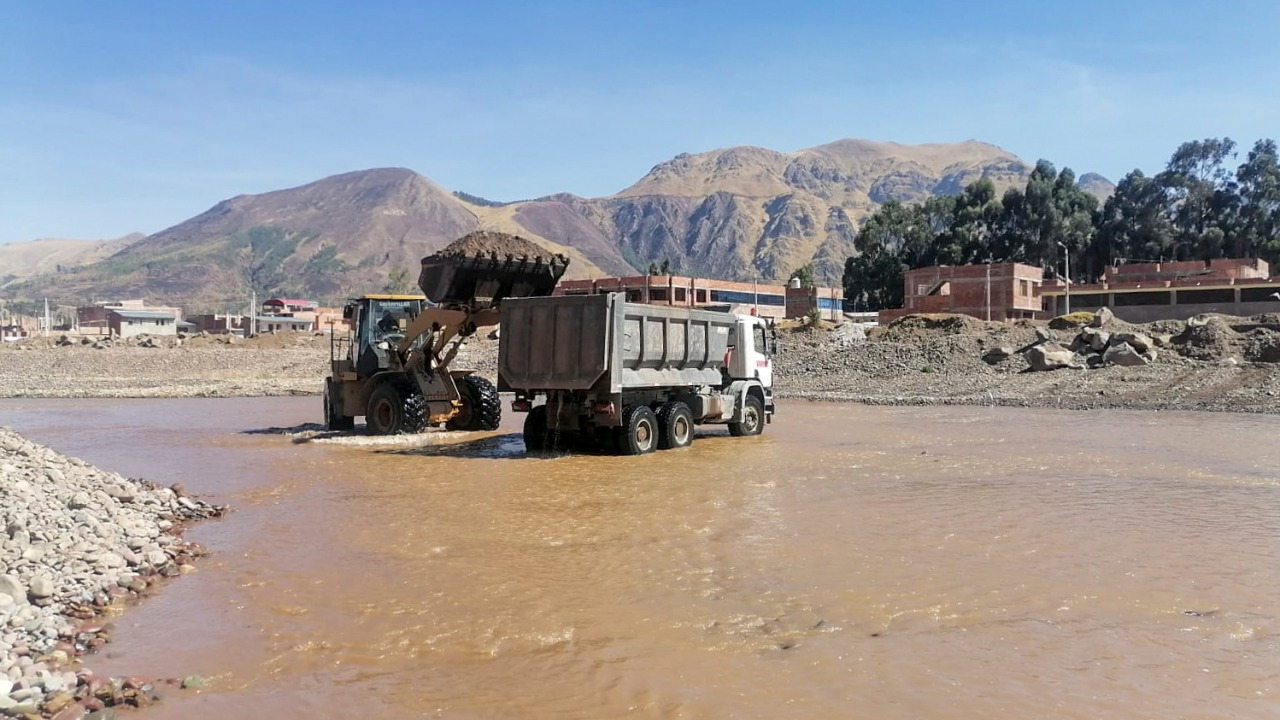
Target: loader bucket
482,280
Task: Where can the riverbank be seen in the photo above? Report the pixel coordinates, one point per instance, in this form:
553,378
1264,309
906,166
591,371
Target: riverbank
78,543
1219,364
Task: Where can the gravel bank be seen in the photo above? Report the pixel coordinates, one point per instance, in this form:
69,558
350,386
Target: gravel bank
76,541
939,362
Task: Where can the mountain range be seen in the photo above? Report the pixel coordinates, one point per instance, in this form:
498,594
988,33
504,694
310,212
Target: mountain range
739,212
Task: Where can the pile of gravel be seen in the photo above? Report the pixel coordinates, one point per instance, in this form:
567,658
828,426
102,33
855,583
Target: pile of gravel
75,540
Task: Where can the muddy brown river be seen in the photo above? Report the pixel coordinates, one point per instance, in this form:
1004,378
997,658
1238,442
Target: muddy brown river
853,562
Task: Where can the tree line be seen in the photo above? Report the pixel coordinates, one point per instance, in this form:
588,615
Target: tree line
1198,208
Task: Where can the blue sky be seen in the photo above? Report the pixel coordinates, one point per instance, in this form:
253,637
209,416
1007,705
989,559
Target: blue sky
134,116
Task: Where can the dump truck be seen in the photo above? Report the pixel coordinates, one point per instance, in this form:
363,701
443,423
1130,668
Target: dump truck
393,365
632,377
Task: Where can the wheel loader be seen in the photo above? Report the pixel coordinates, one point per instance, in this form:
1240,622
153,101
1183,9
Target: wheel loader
392,365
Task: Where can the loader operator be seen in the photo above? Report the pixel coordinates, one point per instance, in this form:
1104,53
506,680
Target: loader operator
387,324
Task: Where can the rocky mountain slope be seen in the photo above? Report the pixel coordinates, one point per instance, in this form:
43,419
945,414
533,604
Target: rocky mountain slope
21,260
741,212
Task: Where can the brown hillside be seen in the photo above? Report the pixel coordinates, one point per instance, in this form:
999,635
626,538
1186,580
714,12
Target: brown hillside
740,212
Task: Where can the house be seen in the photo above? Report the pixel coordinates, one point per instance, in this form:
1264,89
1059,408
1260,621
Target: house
96,316
219,324
283,323
287,306
996,291
128,323
766,300
1145,292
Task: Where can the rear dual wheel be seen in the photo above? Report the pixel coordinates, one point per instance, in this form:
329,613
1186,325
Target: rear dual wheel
675,425
639,431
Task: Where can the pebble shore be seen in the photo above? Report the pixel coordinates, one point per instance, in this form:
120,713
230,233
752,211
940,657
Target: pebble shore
77,541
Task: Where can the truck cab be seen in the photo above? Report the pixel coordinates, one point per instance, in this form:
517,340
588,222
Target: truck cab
753,343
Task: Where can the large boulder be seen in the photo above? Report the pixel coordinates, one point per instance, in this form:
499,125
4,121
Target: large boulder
1137,341
1102,317
1051,356
997,355
1094,338
1124,354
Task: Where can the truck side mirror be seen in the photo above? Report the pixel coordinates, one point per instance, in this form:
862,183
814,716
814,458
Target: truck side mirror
348,311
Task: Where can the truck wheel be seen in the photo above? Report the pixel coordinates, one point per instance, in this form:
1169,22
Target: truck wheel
752,418
481,409
535,430
639,431
385,413
675,422
333,417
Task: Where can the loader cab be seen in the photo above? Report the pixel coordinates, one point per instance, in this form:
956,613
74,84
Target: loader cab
754,341
379,323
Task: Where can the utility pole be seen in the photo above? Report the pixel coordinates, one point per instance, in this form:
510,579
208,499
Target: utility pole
46,316
252,328
988,289
1066,271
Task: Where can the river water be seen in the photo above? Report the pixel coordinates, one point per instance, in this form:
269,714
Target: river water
852,562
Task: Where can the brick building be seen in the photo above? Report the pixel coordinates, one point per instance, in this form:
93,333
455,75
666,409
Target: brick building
1000,291
97,316
767,300
1143,292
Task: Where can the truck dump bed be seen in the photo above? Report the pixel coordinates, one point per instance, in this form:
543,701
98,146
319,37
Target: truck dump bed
603,343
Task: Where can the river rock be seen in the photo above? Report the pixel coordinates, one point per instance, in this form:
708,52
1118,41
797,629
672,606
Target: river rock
41,587
1137,341
1051,356
1125,355
1095,339
11,586
1101,317
997,355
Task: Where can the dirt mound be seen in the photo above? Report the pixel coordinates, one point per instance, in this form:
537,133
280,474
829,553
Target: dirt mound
1207,337
485,242
911,327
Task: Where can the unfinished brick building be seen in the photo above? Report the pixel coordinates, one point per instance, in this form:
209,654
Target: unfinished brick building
1000,291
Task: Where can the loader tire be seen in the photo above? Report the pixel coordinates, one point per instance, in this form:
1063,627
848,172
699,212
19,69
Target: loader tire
333,417
535,430
481,409
385,414
752,418
415,410
639,431
675,426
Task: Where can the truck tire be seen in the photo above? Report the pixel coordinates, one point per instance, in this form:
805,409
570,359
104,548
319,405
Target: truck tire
481,409
333,417
675,426
752,418
535,430
385,413
639,431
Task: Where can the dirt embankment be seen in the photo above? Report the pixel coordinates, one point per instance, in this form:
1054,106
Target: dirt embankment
1213,362
1210,363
